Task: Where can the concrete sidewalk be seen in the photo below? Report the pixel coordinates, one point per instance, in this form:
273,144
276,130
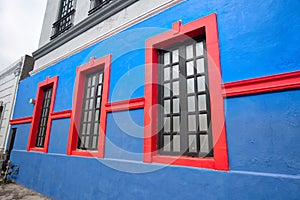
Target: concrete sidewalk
12,191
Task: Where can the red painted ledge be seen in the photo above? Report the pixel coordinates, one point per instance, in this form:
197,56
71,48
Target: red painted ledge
61,114
125,105
23,120
284,81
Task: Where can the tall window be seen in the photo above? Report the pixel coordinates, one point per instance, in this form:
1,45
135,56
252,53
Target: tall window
98,4
88,121
65,18
44,115
184,95
184,106
91,110
41,120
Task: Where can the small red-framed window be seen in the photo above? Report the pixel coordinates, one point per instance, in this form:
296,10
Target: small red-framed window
41,121
88,120
205,27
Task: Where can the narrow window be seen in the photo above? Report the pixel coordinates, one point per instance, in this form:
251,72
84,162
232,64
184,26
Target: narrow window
44,115
91,109
41,120
87,129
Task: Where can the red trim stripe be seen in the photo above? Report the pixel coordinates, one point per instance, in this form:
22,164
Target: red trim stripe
61,114
23,120
125,105
272,83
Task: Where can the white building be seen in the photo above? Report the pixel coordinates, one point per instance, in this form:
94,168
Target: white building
9,79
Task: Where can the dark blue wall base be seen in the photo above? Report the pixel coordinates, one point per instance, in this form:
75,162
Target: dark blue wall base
61,177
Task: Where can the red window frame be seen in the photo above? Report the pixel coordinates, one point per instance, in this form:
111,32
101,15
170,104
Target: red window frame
81,72
49,82
204,26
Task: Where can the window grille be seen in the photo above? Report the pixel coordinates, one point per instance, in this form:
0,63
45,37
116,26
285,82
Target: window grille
65,18
184,96
91,110
44,115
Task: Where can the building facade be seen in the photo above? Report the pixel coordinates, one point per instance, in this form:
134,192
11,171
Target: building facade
9,79
162,99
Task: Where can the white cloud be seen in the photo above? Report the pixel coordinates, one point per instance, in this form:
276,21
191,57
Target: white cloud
21,23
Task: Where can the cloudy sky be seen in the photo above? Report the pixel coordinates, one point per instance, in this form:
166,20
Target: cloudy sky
21,23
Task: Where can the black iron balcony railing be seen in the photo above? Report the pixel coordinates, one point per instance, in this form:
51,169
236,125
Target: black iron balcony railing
62,24
98,4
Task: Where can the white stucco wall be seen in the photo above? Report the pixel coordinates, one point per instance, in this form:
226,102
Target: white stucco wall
116,23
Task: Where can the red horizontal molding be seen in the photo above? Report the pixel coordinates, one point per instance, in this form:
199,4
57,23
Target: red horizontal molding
285,81
23,120
61,114
125,105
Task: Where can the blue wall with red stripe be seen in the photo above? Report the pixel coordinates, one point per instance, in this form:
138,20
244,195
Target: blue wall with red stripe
256,38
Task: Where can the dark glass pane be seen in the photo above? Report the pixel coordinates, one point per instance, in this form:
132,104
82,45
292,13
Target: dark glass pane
167,140
99,92
86,142
175,71
167,73
97,113
92,91
201,83
176,143
100,77
88,128
96,128
94,80
176,88
176,124
200,65
175,56
190,85
191,103
203,122
167,90
202,102
192,143
167,125
95,142
204,147
91,104
199,49
190,68
167,58
191,123
176,105
189,52
98,103
167,106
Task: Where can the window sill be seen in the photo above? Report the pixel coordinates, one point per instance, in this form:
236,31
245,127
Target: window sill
86,153
185,161
38,149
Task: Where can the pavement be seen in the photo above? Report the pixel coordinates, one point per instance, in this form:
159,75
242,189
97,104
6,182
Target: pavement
12,191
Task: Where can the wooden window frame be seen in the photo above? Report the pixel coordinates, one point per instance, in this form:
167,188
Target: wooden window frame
82,71
49,82
205,26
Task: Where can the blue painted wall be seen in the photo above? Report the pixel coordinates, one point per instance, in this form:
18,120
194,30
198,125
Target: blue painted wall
256,38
